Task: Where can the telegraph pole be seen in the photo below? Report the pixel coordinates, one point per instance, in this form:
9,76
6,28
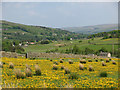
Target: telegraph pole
113,45
113,48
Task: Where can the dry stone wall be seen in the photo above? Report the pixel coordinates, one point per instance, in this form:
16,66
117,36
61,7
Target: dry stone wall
42,55
53,55
11,54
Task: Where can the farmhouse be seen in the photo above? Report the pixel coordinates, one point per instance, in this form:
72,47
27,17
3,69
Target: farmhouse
105,54
32,43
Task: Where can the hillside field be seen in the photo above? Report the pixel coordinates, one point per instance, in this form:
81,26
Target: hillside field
51,78
69,44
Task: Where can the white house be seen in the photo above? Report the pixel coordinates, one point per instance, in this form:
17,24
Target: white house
71,39
20,44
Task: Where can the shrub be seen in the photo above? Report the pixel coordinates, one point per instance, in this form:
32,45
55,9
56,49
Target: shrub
91,68
113,62
55,67
67,71
62,67
83,61
103,74
19,74
89,60
103,63
70,62
73,76
55,63
28,72
28,67
81,67
61,61
37,70
11,65
45,42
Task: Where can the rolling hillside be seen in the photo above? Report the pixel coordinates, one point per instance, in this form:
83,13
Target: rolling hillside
93,29
14,31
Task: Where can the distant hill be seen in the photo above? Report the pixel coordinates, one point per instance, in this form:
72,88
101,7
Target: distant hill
106,35
93,29
14,31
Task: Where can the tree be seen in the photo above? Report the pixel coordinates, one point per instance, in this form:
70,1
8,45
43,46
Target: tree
103,50
7,45
88,51
75,49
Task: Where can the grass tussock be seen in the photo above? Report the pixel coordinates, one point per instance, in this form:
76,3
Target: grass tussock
96,60
103,63
1,65
55,63
70,62
103,74
81,66
61,61
89,60
55,67
91,68
62,67
19,74
28,67
73,76
28,72
83,61
37,70
107,60
113,62
11,65
67,71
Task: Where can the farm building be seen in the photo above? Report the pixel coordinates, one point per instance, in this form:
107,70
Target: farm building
105,54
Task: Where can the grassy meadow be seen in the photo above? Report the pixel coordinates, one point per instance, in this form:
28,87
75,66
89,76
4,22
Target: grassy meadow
53,75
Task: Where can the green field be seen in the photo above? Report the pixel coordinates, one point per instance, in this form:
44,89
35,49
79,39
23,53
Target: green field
107,44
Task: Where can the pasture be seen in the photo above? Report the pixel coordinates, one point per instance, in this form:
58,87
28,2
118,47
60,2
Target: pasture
106,43
53,76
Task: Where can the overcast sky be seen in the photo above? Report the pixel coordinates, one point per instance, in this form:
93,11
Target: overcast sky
61,14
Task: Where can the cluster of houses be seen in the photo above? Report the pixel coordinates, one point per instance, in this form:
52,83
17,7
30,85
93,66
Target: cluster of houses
26,44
